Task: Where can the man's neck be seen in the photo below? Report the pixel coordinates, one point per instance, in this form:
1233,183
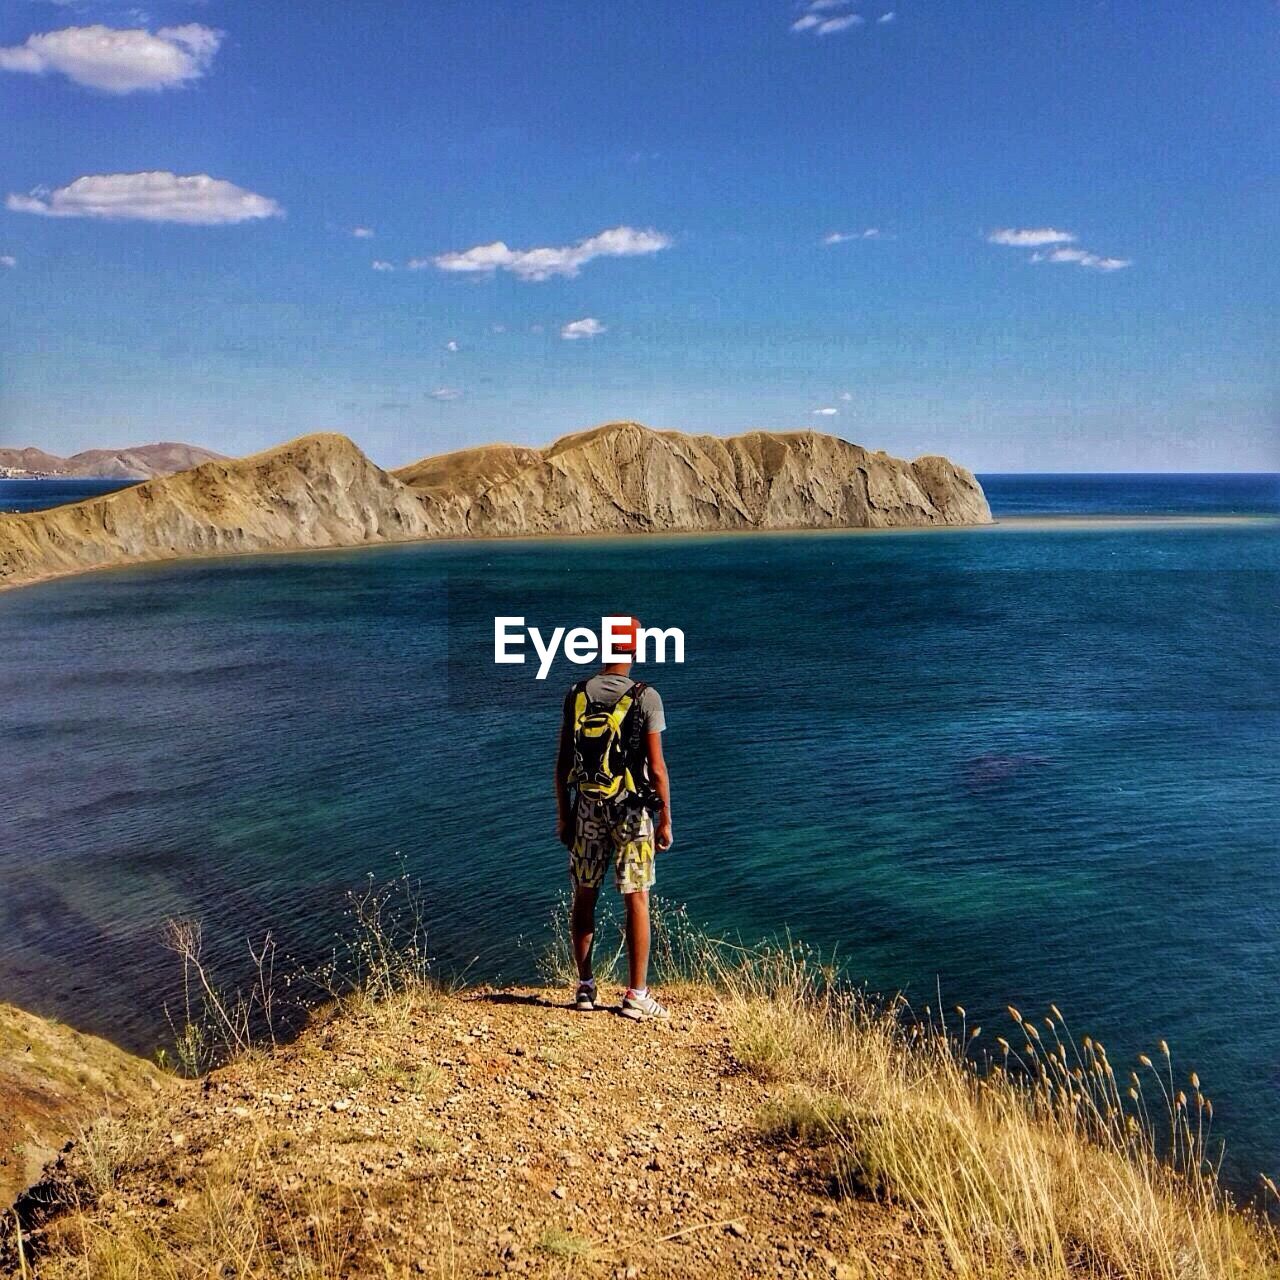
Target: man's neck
616,669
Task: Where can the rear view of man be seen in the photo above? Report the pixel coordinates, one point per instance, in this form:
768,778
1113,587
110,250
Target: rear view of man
611,781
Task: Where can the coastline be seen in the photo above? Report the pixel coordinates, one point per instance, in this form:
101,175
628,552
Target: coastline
1008,524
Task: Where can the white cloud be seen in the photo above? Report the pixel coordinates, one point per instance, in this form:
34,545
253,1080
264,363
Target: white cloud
846,396
827,412
499,328
1043,240
452,345
446,393
8,260
887,17
1083,258
821,18
198,200
543,263
1030,237
843,237
118,61
380,264
362,233
589,327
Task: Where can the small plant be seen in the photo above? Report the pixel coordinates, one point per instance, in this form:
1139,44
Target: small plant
217,1024
112,1146
559,1243
811,1117
381,962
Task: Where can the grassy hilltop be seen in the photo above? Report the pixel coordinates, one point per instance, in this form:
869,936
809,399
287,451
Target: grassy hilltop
778,1125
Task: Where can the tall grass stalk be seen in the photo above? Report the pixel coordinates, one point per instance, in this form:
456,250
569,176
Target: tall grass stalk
379,960
1033,1160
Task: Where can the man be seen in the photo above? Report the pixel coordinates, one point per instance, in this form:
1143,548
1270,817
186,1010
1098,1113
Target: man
611,756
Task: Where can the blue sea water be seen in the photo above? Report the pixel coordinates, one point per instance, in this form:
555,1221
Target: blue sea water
35,495
1024,764
1014,494
1116,494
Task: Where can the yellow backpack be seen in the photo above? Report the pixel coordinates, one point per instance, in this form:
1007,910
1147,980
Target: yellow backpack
607,759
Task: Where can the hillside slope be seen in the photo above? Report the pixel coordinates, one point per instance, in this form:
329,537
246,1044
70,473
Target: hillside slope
52,1080
479,1134
317,491
625,478
138,462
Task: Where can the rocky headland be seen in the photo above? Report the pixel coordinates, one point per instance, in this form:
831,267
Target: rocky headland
320,491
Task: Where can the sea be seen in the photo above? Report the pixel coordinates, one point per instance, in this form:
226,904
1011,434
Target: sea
35,495
1027,764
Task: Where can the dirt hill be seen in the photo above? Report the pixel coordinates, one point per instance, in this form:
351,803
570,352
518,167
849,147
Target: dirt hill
138,462
52,1079
321,491
318,491
626,478
480,1134
773,1127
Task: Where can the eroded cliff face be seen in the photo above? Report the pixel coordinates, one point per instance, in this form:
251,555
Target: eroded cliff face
318,491
321,491
625,478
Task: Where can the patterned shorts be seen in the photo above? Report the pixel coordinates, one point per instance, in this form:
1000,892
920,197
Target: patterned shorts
604,831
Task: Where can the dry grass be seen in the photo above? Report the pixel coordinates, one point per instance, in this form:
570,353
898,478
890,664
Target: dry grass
247,1215
1040,1163
1037,1160
228,1227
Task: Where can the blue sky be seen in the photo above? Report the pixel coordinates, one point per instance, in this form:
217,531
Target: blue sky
721,146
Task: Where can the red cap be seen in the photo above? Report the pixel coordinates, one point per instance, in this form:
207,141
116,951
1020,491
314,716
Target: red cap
624,635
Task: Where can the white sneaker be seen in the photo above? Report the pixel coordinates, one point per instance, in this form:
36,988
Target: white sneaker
585,998
640,1006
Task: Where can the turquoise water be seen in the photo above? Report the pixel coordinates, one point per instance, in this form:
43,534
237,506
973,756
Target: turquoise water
1029,765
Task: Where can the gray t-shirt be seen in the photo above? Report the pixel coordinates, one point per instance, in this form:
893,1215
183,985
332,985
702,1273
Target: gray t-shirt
609,688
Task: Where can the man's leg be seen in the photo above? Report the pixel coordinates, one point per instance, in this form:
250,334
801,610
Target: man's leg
635,848
582,927
587,861
637,905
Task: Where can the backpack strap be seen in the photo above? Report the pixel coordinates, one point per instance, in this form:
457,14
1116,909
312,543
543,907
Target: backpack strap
635,746
635,693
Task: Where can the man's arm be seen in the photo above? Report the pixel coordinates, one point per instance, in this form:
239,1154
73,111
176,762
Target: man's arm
662,785
564,763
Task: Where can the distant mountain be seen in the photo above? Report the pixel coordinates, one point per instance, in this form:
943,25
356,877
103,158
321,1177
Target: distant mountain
32,461
141,462
321,491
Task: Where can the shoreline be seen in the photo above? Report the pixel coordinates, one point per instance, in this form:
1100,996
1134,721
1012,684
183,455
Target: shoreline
1007,524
